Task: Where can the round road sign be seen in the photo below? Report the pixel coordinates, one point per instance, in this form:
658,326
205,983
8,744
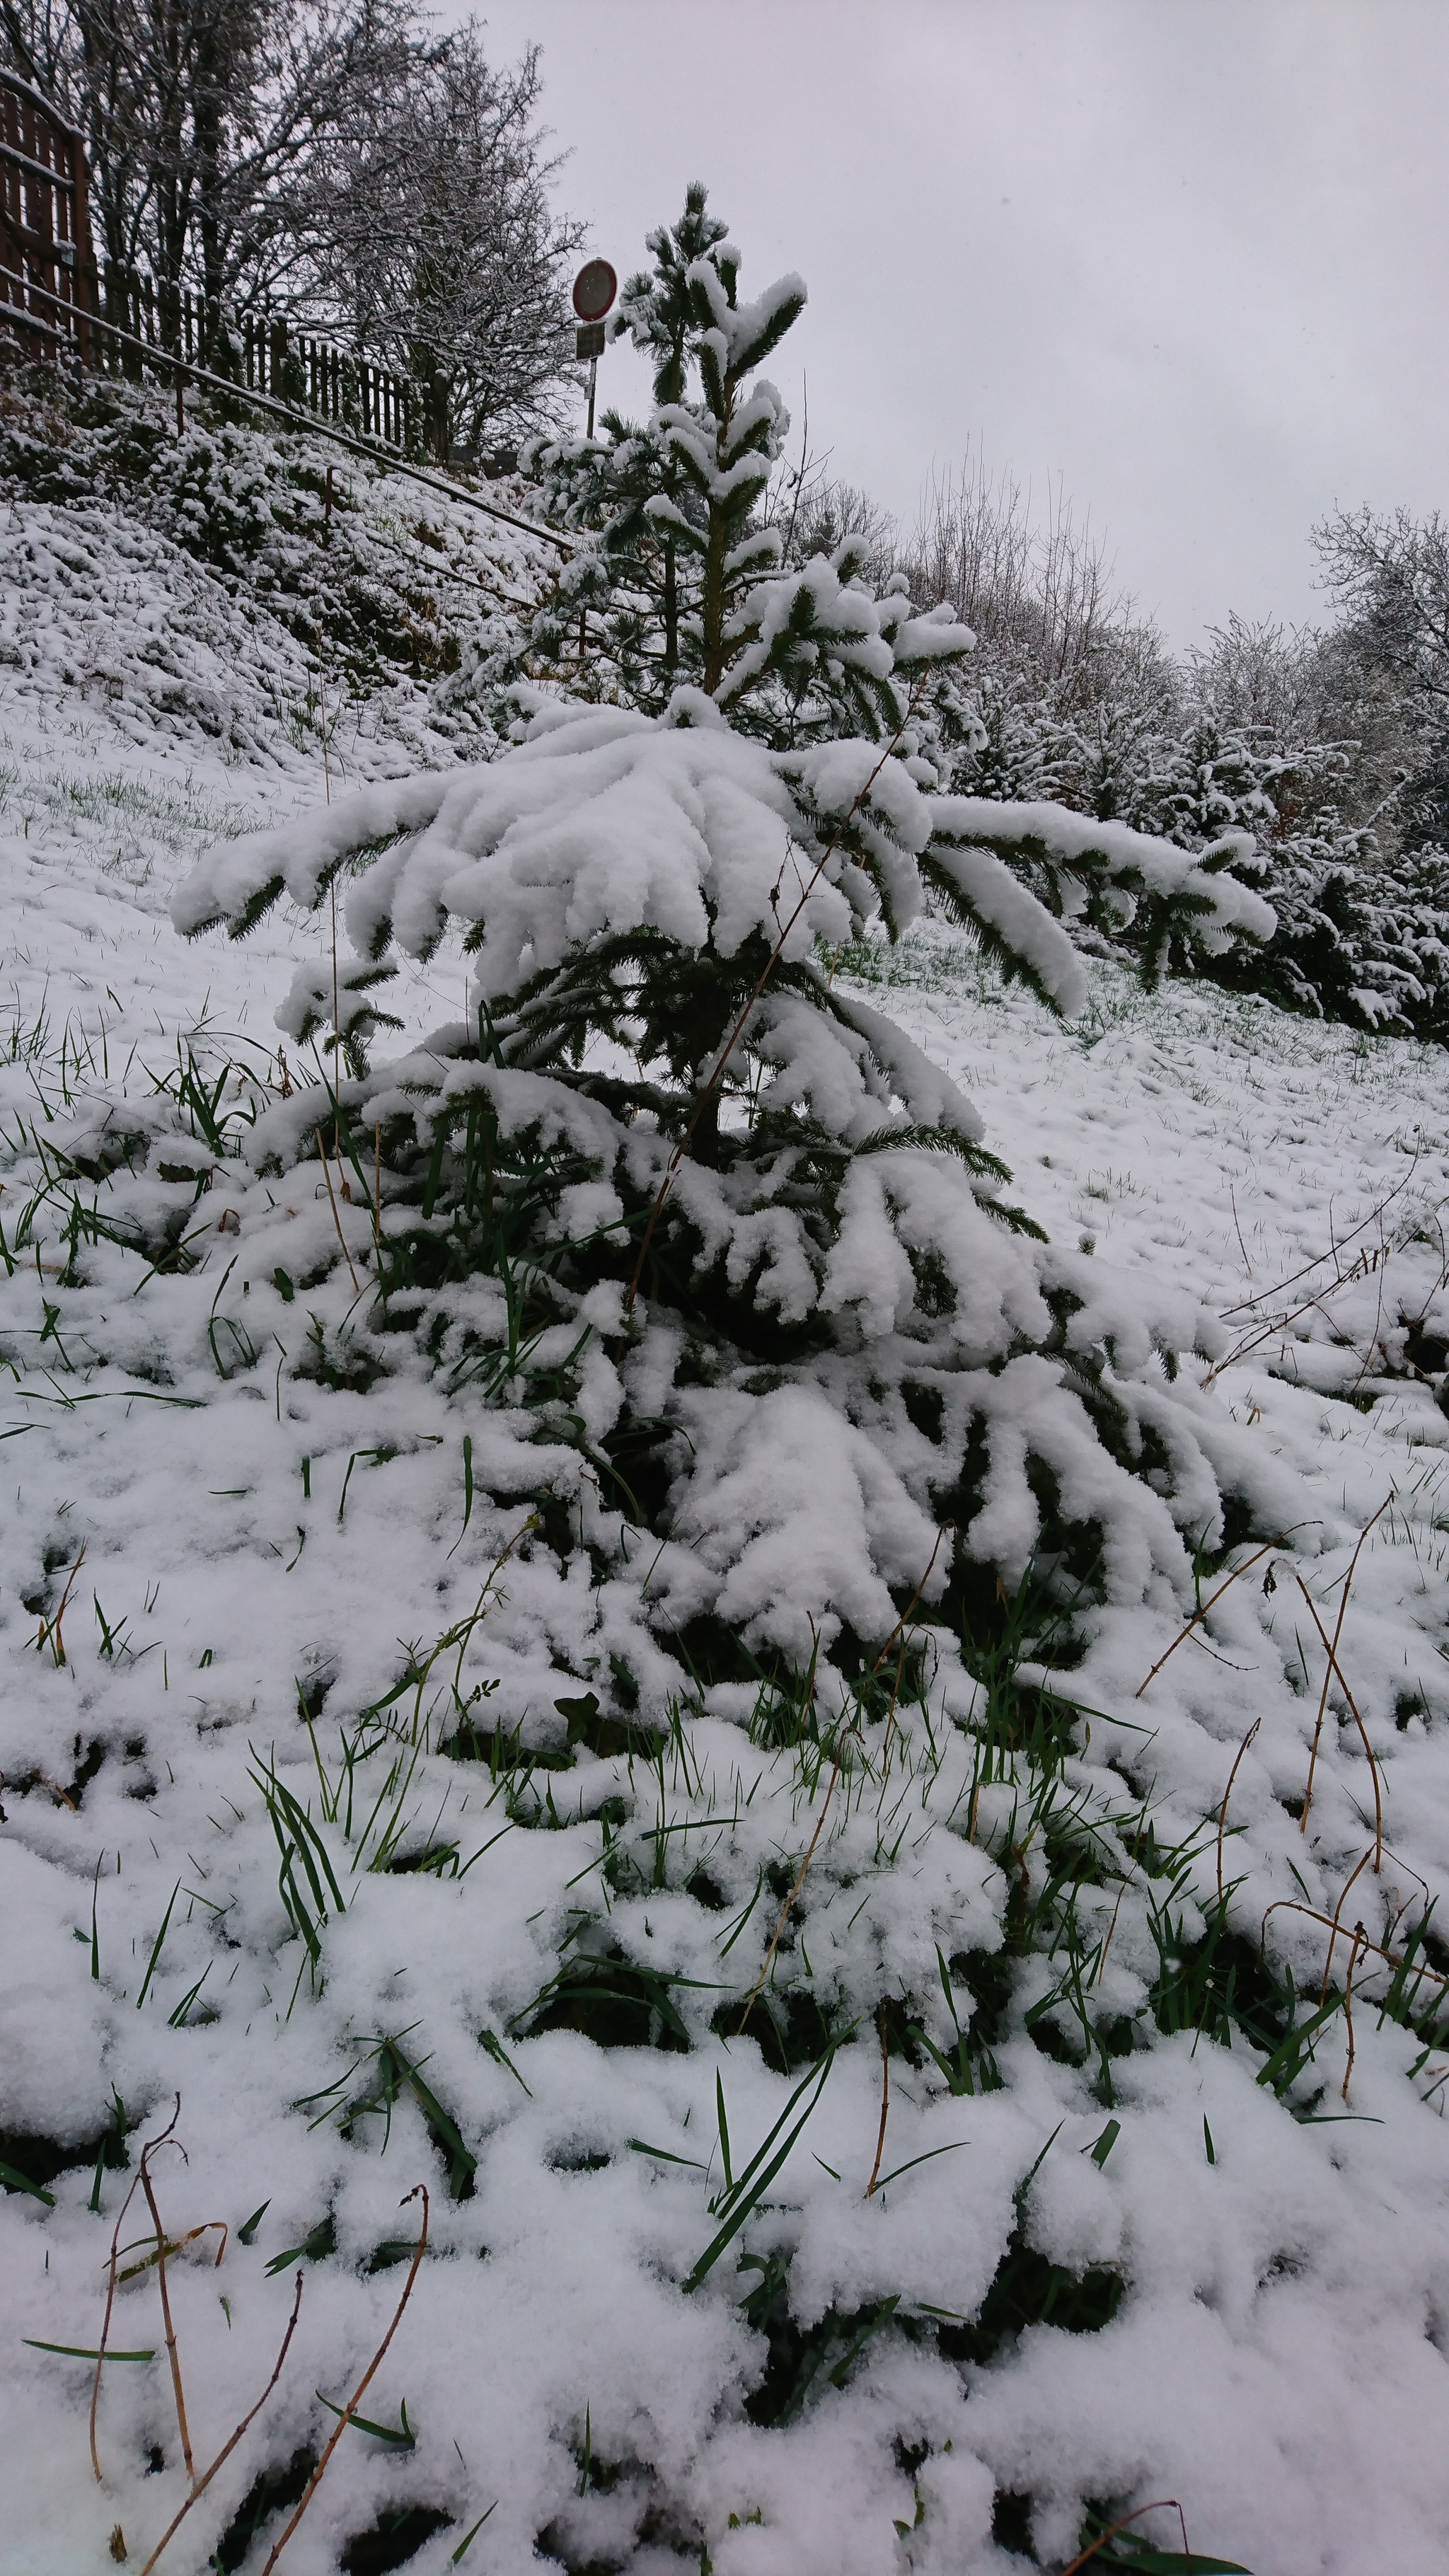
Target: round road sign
595,288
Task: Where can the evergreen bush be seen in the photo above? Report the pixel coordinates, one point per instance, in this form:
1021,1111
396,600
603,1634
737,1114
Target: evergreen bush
671,1188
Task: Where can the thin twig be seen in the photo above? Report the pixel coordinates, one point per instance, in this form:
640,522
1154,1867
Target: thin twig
1290,1905
1359,1934
1242,1247
336,1219
1295,1275
1199,1615
885,2097
419,2191
1227,1793
1343,1895
726,1051
106,2323
1163,2504
112,2277
1334,1666
224,2454
172,2352
1381,1265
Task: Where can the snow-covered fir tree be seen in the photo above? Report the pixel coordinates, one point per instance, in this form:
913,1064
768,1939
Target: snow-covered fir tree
717,1224
1362,933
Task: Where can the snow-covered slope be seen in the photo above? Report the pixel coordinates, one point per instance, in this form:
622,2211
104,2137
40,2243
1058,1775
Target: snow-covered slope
521,1983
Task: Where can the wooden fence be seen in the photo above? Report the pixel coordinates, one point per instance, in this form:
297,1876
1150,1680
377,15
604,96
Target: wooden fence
45,240
56,303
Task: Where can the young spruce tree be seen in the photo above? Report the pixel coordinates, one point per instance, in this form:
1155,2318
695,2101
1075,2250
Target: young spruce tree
673,1197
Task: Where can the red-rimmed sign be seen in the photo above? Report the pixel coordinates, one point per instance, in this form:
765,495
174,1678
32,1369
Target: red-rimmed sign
595,288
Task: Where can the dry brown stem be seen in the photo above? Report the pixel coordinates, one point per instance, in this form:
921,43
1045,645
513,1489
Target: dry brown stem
106,2324
112,2275
910,1605
1227,1793
43,1780
419,2191
173,2354
1359,1934
51,1628
1238,1229
1163,2504
1337,1246
1334,1666
1343,1896
1199,1615
885,2097
336,1219
1395,1958
227,2448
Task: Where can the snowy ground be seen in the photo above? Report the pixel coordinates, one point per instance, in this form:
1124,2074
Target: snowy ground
1271,2259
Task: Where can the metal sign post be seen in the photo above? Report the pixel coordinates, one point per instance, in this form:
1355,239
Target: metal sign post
595,288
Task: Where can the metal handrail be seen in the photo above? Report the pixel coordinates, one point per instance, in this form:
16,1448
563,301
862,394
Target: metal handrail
304,420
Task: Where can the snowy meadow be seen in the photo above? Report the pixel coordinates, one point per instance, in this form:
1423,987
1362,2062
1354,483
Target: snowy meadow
711,1851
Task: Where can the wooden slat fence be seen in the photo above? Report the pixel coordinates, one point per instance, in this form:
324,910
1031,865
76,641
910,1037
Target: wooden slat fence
55,302
44,226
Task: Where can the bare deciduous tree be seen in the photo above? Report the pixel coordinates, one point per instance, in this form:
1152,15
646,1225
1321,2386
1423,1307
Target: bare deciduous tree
1036,586
330,156
431,238
1389,656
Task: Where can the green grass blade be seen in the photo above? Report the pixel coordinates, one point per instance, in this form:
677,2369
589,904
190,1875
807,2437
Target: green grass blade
14,2181
156,1952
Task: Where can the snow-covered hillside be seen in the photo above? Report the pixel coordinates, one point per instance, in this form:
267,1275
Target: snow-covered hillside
1098,2256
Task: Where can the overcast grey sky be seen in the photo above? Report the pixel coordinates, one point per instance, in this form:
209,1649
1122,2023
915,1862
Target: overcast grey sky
1188,254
